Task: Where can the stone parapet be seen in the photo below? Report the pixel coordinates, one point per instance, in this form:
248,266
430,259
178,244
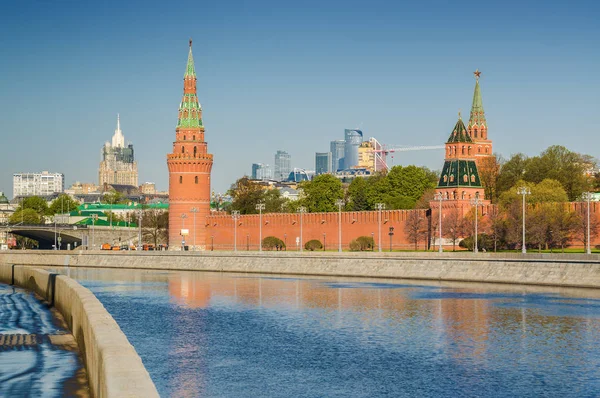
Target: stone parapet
114,367
532,269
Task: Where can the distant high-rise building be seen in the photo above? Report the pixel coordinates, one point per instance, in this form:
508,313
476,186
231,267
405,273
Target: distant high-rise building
118,165
38,184
337,154
353,139
283,165
261,171
323,163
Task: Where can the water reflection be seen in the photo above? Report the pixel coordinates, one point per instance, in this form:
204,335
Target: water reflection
211,334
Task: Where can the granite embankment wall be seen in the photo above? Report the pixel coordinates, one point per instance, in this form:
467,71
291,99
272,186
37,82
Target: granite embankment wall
534,269
114,367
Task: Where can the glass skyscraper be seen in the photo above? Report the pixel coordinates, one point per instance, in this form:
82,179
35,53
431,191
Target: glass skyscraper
322,163
283,165
353,139
337,154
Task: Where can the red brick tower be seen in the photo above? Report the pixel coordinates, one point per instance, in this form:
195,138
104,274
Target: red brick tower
189,170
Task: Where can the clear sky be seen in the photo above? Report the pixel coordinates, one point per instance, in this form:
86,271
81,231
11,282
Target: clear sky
290,75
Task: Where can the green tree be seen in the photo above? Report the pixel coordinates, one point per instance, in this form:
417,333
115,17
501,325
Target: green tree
39,205
563,165
511,172
63,204
407,185
489,173
26,216
358,195
155,226
547,191
245,195
320,194
114,197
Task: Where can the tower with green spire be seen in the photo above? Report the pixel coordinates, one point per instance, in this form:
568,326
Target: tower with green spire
190,166
477,127
459,180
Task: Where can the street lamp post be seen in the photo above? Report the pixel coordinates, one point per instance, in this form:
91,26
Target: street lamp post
247,242
212,243
260,207
524,191
324,236
475,202
285,241
391,234
379,207
301,210
55,244
587,196
235,214
339,203
94,218
440,197
183,217
194,210
373,240
140,215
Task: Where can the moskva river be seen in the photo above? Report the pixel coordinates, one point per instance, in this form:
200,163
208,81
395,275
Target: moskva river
231,335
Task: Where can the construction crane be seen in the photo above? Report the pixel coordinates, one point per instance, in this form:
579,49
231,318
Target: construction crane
381,151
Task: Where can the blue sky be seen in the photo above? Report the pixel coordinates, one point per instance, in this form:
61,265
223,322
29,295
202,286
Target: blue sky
290,75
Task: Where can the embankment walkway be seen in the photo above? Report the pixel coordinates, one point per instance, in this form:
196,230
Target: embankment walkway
572,270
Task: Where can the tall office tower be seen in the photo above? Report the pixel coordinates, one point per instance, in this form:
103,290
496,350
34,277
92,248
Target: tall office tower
322,163
337,154
283,165
38,184
118,165
190,166
261,171
353,139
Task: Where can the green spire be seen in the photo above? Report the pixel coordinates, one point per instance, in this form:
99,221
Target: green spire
190,70
190,111
477,103
477,117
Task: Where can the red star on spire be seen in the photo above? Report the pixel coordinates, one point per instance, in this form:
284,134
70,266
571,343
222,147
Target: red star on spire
477,74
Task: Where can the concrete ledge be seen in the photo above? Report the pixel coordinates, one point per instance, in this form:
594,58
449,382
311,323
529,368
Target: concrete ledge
572,270
114,367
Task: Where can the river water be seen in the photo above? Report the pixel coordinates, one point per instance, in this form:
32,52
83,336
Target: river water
235,335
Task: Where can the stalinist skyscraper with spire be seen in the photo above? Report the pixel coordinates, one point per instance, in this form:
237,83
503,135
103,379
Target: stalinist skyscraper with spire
118,165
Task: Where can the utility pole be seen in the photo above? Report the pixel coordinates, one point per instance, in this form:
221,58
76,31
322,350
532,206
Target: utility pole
524,191
339,203
260,207
379,207
235,214
194,211
301,210
440,197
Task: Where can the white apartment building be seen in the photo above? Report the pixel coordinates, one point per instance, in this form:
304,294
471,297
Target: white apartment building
40,184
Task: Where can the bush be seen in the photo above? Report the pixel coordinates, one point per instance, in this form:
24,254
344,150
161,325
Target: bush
272,242
354,246
484,241
313,245
366,242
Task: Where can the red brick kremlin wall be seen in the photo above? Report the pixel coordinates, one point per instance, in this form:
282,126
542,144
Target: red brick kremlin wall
286,226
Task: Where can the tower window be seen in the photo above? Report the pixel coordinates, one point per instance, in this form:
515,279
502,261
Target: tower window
182,149
181,179
196,179
463,150
194,151
184,137
194,137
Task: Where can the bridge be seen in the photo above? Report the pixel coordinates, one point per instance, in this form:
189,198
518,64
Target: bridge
74,236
